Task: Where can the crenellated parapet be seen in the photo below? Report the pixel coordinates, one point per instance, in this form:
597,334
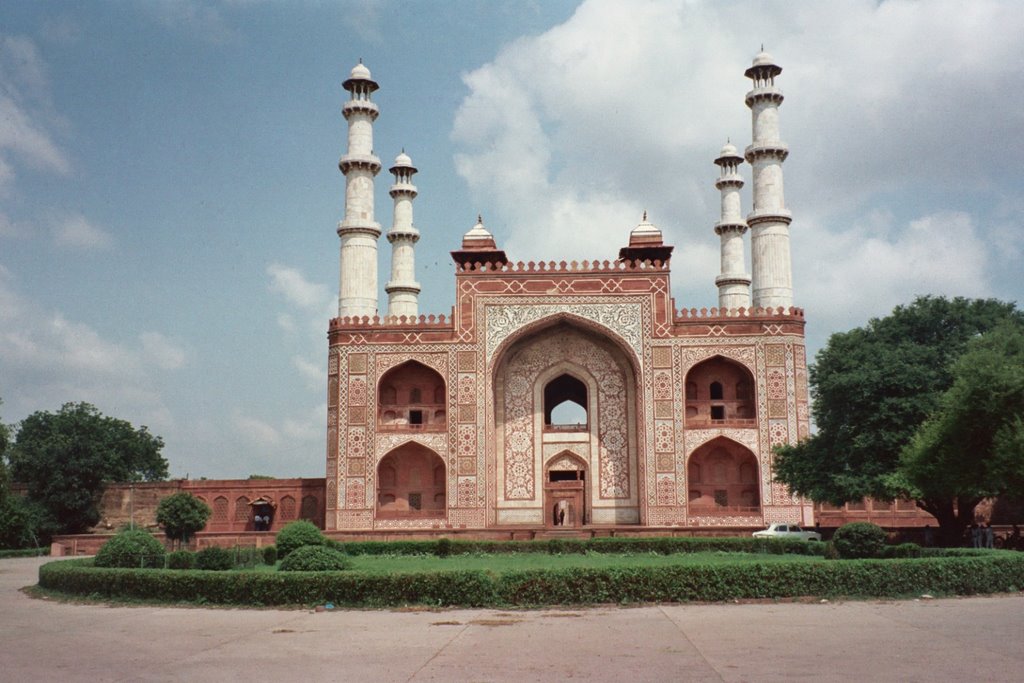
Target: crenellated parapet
391,321
618,266
723,313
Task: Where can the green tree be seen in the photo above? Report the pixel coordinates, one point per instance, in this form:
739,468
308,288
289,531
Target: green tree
182,515
971,446
66,458
873,388
21,522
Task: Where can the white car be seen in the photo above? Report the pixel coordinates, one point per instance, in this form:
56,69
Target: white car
790,531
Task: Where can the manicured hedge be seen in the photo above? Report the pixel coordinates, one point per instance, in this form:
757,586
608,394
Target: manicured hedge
864,578
616,545
24,552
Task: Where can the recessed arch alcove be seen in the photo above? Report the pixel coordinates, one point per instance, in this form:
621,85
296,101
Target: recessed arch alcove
411,483
539,371
720,391
411,397
722,479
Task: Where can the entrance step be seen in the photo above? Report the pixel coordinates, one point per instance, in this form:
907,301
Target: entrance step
563,534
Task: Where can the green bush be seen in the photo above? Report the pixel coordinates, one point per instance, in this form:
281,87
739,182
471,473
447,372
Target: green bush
215,559
182,515
444,547
314,558
665,545
297,534
859,540
25,552
270,555
131,548
902,550
181,559
953,575
246,557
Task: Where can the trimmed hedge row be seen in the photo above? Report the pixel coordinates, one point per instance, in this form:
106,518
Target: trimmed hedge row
24,552
880,578
617,545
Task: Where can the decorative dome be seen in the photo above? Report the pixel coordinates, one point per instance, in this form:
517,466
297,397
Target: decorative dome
763,59
729,150
645,233
403,160
361,72
478,231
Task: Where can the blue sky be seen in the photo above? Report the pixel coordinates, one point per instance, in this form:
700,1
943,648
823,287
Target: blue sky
169,187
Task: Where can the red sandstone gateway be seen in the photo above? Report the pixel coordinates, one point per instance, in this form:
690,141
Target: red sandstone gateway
571,395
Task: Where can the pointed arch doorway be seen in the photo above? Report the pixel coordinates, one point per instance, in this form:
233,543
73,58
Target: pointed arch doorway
565,492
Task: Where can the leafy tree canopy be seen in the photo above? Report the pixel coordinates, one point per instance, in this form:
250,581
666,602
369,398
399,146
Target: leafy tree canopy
67,457
971,447
182,515
874,386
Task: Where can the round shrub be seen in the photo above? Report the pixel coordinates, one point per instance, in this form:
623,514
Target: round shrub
181,559
315,558
270,555
858,540
215,559
296,535
444,547
132,548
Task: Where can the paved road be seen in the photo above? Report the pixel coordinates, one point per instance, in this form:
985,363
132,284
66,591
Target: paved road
972,639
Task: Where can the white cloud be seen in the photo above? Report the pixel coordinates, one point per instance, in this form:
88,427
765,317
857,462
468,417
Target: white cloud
61,30
202,20
8,227
313,373
74,231
565,137
297,289
161,351
47,359
27,121
254,431
868,269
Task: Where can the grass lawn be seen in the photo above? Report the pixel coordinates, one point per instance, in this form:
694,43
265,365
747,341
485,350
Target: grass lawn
500,563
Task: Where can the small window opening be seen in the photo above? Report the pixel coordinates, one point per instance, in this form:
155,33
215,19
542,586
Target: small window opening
564,475
717,412
716,391
415,501
568,396
415,417
569,413
721,497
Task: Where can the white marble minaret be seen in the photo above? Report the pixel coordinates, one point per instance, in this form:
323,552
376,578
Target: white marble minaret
358,231
734,282
772,282
403,290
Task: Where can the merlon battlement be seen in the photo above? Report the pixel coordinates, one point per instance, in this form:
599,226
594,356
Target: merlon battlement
619,266
732,313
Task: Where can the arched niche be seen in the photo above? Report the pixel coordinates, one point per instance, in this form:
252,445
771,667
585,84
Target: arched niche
566,499
720,392
565,404
722,479
564,359
411,397
411,483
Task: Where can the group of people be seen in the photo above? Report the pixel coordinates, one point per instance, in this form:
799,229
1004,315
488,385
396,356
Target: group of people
982,536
